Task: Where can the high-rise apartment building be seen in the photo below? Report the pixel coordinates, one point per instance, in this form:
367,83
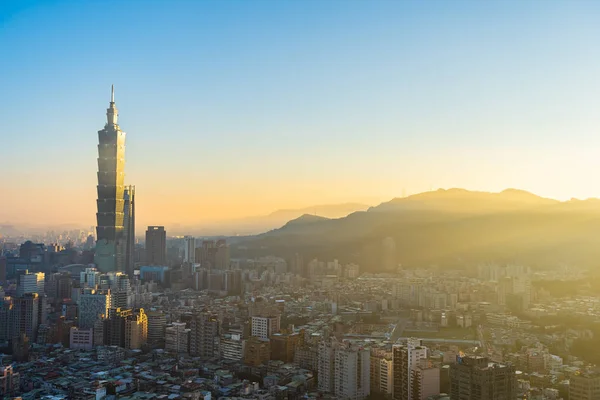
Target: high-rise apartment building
386,375
326,366
425,381
31,283
352,372
59,286
111,243
156,245
265,327
157,323
120,290
204,335
93,306
344,370
126,328
584,385
189,250
382,377
307,357
136,329
177,338
27,308
113,328
475,378
405,359
213,255
222,257
233,282
8,319
231,346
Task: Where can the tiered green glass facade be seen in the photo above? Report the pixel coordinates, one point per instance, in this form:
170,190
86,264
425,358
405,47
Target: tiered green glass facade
111,241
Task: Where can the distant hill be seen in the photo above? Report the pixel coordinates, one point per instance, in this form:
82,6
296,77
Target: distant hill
461,200
326,210
305,220
9,230
453,227
258,224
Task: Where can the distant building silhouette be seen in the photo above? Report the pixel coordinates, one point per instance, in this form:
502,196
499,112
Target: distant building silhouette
129,229
213,254
156,245
190,249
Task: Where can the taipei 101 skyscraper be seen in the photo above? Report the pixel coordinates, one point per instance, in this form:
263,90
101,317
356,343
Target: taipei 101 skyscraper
114,228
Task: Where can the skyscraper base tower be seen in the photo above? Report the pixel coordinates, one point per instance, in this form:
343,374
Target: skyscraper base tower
111,244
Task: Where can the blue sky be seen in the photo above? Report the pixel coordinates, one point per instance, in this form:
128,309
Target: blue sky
240,107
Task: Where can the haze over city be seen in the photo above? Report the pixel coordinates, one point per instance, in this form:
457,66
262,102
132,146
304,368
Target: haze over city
237,108
300,200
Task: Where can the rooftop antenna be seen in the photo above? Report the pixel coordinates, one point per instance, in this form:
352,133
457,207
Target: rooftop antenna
112,93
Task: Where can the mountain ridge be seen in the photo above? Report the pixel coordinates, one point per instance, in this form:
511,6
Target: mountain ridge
445,226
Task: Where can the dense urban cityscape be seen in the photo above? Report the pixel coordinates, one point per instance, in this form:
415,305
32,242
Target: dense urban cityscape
315,200
98,314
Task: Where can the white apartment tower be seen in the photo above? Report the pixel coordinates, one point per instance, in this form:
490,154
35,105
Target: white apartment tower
264,327
190,250
352,372
386,375
31,283
326,367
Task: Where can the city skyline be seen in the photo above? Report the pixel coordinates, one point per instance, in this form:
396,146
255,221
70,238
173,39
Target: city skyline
358,111
314,200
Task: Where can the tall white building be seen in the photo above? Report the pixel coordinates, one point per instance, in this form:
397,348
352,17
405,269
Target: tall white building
386,375
31,283
177,338
189,250
352,372
326,365
264,327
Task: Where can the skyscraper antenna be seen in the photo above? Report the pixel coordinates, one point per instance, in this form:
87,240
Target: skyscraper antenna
112,93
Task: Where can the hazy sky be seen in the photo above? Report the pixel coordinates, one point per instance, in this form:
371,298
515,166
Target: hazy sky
237,108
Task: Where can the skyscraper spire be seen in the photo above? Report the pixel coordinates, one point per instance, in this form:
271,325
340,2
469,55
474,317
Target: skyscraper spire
112,114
